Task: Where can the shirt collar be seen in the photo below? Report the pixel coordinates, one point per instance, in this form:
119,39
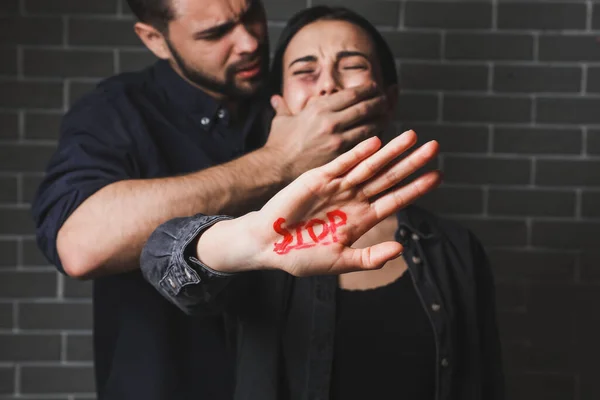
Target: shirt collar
412,221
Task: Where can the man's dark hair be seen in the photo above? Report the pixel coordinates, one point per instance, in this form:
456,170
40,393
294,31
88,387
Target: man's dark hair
157,13
319,13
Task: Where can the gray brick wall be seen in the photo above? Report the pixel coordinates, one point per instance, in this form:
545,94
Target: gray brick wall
509,88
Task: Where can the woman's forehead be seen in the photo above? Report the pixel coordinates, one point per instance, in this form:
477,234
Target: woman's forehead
325,38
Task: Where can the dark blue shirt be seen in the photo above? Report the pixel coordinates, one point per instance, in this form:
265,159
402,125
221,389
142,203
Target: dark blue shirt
142,125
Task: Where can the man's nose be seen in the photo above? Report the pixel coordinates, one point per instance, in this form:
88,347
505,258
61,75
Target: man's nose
328,84
246,41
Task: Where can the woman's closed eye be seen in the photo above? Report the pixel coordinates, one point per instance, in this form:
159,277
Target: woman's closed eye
303,72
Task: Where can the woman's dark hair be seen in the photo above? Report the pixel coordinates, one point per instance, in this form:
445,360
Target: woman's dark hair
320,13
157,13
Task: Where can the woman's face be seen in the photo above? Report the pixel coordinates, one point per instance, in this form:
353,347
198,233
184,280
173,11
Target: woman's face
324,57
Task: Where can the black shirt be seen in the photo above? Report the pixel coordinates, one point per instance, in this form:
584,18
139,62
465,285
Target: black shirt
142,125
384,346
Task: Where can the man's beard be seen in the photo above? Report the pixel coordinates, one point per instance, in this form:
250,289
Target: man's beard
228,86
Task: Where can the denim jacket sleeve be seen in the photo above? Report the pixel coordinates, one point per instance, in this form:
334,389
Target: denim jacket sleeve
169,264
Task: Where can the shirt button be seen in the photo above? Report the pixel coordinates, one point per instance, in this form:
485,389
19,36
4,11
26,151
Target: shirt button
415,237
403,233
445,362
221,114
172,283
435,307
205,121
416,260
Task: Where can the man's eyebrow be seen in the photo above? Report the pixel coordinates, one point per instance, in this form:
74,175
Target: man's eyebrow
348,53
225,26
303,59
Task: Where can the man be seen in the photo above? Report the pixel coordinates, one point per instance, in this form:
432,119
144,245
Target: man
180,138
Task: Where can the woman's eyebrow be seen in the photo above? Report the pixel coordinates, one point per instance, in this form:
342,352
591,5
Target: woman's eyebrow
348,53
303,59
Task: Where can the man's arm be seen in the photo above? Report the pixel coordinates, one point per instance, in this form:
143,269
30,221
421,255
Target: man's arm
306,229
106,232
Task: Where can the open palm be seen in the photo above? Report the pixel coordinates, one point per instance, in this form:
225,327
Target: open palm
308,228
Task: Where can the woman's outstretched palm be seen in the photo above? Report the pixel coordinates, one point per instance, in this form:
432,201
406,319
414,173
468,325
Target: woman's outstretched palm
312,223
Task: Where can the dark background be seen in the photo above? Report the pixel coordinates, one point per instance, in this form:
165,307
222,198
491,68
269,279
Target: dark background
510,89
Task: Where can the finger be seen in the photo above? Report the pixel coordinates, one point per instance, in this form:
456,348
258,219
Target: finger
359,112
401,197
372,165
394,173
369,258
280,106
348,97
349,159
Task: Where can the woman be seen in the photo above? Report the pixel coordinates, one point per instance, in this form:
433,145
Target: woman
421,327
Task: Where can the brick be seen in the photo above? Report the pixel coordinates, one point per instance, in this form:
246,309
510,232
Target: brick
497,232
509,296
443,77
544,357
525,140
57,379
593,80
453,138
532,202
78,89
527,79
540,386
16,221
32,256
42,126
414,45
542,16
8,61
546,304
462,108
587,327
20,30
596,16
486,170
9,6
512,326
417,107
9,125
30,186
568,173
102,32
380,13
24,157
512,265
8,249
71,6
68,63
282,10
6,315
454,15
29,347
488,46
593,142
575,110
8,190
28,284
565,234
590,202
446,200
274,33
590,265
74,288
7,380
80,348
135,60
578,48
31,94
588,385
55,316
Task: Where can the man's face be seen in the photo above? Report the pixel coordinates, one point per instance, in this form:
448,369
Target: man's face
220,45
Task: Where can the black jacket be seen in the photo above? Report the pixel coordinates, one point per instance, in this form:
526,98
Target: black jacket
285,326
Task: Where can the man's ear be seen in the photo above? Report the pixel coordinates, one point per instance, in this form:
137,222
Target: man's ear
153,39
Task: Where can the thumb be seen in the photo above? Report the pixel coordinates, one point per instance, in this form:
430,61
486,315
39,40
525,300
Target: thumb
279,105
373,257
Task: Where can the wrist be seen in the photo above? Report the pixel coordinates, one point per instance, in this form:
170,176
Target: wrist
279,162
